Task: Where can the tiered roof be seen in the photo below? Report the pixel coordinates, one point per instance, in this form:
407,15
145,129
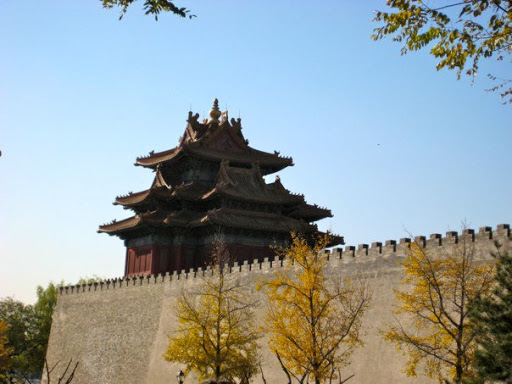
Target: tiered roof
227,191
216,141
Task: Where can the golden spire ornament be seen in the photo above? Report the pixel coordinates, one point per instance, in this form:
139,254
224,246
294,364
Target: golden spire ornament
215,112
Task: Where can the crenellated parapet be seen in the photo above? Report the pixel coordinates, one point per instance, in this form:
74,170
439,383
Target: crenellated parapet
118,329
484,234
483,239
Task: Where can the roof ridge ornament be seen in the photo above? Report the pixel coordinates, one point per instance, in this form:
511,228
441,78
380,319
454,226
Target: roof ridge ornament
225,116
236,123
215,112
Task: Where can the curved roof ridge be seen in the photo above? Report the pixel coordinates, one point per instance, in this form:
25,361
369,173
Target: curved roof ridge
159,180
248,184
115,225
215,131
132,198
223,175
154,158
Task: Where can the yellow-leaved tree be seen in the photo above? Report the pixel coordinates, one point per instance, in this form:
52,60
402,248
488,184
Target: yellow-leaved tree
433,328
313,319
5,351
216,335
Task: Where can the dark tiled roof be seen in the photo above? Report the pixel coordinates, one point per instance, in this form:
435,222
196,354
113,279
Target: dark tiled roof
155,158
217,142
154,218
191,191
243,184
132,199
247,184
310,212
165,206
233,218
271,222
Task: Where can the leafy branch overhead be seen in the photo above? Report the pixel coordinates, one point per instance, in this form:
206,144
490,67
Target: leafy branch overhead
462,32
151,7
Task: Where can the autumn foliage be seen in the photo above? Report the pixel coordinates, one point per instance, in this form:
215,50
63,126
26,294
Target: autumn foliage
5,351
433,328
313,320
216,335
458,33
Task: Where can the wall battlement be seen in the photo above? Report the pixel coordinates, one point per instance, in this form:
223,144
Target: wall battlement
118,328
336,256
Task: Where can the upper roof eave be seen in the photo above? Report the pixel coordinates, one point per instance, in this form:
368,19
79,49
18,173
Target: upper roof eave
267,161
155,158
264,159
132,198
251,220
311,212
118,226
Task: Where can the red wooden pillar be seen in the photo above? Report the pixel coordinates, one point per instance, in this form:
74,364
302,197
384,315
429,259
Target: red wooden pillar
131,261
139,262
179,258
154,267
127,262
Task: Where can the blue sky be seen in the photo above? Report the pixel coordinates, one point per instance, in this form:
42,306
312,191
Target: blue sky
385,141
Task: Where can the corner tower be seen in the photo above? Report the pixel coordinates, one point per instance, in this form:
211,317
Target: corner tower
210,186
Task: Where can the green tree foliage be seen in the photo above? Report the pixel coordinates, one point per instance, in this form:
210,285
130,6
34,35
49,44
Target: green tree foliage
151,7
28,331
43,308
22,333
493,319
216,334
88,280
459,33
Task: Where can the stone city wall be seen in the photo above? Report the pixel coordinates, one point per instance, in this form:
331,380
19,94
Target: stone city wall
118,329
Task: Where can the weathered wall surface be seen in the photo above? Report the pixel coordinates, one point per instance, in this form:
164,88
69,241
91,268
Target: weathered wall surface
118,329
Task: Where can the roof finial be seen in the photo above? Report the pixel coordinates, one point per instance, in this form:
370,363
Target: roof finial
215,112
